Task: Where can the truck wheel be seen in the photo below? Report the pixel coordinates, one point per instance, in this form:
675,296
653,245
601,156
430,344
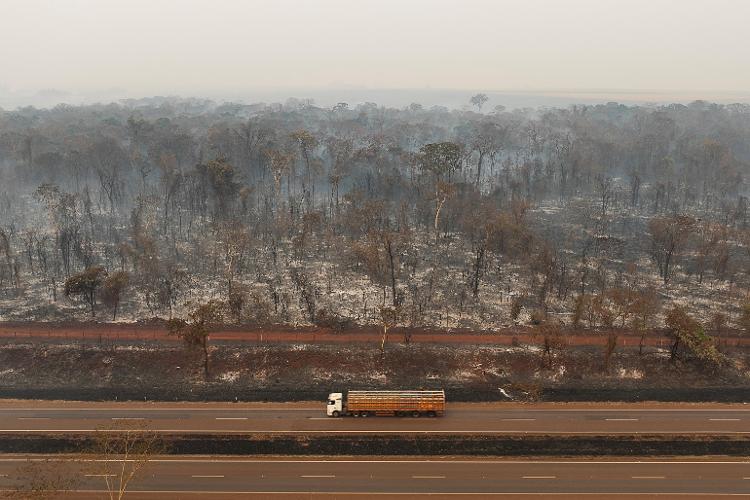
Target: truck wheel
335,414
431,414
415,414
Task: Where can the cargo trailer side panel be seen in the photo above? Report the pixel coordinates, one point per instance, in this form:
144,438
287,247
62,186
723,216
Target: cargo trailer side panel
396,402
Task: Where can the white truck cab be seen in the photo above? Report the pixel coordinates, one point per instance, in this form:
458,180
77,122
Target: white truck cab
335,406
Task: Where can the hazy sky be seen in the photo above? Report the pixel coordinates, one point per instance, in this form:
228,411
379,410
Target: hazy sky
197,46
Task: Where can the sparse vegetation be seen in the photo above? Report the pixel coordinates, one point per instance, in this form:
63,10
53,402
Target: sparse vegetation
593,216
119,455
43,480
196,331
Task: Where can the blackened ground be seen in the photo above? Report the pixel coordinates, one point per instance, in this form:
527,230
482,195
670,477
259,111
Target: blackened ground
195,444
305,372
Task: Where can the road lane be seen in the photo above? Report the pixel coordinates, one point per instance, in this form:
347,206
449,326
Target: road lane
173,476
306,418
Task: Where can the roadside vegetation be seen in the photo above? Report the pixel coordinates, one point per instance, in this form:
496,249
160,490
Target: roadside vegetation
117,456
546,369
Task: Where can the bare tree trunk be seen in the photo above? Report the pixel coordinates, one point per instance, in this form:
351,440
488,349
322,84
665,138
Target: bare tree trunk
384,339
205,358
479,167
477,267
439,207
389,249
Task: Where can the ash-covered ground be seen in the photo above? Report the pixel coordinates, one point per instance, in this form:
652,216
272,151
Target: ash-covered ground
310,372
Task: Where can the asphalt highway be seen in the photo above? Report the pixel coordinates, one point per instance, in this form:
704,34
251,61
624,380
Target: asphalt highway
310,418
339,478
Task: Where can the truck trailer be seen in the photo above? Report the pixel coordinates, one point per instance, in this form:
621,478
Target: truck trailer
386,403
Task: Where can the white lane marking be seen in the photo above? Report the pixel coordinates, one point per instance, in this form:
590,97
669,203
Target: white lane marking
411,494
648,477
621,419
231,418
518,419
207,476
539,477
428,477
128,418
398,431
632,410
724,419
316,409
125,406
318,476
210,460
33,418
99,475
324,418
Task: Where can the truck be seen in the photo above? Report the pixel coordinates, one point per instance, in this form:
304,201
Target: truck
386,403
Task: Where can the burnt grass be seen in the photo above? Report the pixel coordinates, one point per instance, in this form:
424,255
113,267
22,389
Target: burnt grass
530,445
276,372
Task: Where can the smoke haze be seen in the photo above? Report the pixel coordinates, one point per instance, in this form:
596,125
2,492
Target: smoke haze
533,52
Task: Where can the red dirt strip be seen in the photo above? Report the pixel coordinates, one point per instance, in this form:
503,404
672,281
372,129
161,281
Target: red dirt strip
95,332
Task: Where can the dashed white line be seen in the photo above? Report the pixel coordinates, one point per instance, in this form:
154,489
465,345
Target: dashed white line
371,431
539,477
724,419
648,477
231,418
318,476
128,418
207,477
211,460
518,419
99,475
428,477
621,419
33,418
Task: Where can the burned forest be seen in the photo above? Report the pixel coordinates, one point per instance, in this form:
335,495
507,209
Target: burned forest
593,216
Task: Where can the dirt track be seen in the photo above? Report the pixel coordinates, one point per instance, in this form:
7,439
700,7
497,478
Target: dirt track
278,334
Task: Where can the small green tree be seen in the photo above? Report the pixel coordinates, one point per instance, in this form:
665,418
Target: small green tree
85,285
196,331
112,289
552,339
689,336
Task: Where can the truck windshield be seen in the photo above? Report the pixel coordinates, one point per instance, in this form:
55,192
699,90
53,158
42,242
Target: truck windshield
332,402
